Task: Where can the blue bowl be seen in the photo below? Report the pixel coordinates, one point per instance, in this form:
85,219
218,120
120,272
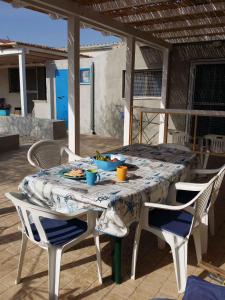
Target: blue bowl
109,165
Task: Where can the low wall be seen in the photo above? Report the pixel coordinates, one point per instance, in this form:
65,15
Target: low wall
33,127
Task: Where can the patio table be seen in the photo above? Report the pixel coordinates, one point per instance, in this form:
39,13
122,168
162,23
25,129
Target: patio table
151,171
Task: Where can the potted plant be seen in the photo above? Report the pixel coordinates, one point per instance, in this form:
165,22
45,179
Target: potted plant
4,109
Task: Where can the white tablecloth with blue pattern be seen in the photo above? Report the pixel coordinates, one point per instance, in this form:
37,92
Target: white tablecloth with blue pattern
151,170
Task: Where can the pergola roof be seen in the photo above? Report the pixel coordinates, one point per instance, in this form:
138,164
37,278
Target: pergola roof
36,54
172,21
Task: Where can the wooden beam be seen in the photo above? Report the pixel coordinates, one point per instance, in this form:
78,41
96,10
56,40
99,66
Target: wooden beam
204,11
181,26
190,33
129,86
74,84
203,38
68,7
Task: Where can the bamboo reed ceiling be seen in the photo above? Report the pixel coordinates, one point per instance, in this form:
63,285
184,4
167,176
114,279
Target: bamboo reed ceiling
174,21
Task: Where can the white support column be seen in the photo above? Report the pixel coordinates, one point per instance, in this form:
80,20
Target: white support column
50,89
129,86
23,85
74,84
163,103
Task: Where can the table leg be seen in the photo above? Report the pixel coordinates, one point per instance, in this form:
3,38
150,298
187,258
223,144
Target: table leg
116,260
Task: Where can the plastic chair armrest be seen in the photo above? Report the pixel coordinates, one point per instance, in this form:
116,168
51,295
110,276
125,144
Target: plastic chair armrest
205,171
189,186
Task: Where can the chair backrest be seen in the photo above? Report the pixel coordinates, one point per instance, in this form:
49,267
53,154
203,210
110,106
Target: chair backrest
216,187
201,201
44,154
215,143
180,137
176,146
30,216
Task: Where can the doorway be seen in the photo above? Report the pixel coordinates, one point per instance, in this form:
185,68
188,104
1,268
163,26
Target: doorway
208,93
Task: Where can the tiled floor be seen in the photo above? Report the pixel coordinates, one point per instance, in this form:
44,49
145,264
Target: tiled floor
155,272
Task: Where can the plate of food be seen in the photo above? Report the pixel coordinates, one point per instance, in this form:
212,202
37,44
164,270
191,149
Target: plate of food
108,162
76,174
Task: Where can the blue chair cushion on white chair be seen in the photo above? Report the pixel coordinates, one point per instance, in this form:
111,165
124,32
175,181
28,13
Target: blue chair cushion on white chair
178,222
185,196
59,232
197,289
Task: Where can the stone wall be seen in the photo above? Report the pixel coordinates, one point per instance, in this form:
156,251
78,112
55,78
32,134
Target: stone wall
33,127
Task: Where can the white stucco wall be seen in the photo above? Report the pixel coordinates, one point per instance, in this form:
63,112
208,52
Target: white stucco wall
109,66
11,98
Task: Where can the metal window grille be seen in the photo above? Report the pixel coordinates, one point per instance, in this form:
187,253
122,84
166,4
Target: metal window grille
147,83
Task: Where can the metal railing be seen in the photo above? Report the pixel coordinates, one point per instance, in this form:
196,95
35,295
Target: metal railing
166,113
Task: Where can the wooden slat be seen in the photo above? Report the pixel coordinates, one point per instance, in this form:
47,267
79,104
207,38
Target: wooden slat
154,7
181,26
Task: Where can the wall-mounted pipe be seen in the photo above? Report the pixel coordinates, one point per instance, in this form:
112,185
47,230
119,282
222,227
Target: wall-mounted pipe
92,97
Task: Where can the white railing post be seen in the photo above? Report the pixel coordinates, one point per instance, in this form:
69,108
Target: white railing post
129,86
74,84
23,85
164,93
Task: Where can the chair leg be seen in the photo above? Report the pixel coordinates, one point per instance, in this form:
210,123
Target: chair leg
21,258
198,242
179,252
206,160
54,261
135,250
98,254
212,221
204,234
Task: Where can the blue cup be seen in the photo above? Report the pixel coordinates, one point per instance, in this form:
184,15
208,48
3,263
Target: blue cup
92,176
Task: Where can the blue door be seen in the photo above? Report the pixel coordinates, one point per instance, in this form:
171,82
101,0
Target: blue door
62,95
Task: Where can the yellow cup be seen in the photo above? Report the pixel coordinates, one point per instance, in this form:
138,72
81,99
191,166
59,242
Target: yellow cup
121,173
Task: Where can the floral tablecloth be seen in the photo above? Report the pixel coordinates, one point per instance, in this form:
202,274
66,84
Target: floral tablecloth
151,170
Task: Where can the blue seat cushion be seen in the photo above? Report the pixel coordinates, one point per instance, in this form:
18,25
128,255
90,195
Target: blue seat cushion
178,222
60,232
197,289
185,196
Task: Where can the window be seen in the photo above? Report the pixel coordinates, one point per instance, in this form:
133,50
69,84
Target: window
85,75
147,83
35,80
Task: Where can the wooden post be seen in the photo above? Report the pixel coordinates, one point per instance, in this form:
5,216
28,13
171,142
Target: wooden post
74,84
23,85
165,135
195,132
140,127
129,80
164,93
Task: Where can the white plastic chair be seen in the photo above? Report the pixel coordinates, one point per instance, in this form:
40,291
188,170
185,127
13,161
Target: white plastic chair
208,219
180,137
54,232
174,225
212,143
46,154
